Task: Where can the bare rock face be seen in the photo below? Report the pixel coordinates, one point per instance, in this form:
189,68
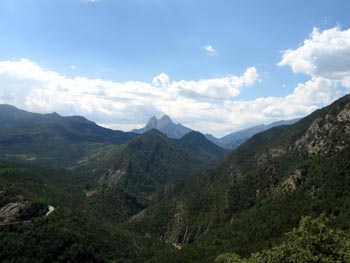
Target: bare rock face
291,183
344,115
139,217
113,174
326,134
177,231
11,211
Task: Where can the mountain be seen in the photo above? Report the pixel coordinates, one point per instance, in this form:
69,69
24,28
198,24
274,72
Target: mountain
234,139
261,190
198,145
71,128
156,199
166,126
148,161
145,166
51,138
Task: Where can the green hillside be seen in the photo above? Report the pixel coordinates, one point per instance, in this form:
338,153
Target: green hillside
155,200
198,145
140,171
262,190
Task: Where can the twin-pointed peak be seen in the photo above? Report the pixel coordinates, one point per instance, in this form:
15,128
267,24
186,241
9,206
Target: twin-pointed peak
154,121
165,125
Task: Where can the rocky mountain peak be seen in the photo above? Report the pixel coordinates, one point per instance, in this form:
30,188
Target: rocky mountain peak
166,126
152,122
165,120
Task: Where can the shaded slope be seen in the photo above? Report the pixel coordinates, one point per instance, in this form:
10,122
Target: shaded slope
196,144
148,162
51,138
144,167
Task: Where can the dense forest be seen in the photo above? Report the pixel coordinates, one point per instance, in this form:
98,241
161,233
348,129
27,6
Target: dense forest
282,196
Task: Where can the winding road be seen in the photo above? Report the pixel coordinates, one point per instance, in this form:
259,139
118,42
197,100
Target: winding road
51,209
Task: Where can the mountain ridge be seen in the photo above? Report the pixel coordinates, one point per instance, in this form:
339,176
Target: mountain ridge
234,139
229,141
51,138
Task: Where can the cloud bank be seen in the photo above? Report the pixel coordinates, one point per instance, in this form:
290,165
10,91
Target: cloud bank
208,105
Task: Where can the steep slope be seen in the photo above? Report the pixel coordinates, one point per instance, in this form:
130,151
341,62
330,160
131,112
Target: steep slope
234,139
166,126
196,144
246,203
51,138
149,161
146,165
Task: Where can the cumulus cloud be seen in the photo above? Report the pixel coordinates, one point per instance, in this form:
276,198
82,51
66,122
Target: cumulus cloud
207,105
325,58
218,88
325,54
210,49
119,105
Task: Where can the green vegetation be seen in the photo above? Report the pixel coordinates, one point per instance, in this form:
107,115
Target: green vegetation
74,232
54,140
245,203
196,144
150,200
315,240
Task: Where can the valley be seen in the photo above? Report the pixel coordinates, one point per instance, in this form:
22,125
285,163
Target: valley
84,193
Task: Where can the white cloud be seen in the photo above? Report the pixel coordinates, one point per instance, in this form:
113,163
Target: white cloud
326,54
208,105
25,84
73,67
218,88
210,49
325,57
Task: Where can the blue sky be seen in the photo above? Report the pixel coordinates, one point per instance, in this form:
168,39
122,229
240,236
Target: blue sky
115,49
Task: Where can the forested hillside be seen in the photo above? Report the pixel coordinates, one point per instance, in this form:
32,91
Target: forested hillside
154,199
245,203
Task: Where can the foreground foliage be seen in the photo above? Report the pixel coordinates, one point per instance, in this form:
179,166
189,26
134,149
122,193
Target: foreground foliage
314,241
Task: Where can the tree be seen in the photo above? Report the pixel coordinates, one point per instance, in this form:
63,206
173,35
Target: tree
314,241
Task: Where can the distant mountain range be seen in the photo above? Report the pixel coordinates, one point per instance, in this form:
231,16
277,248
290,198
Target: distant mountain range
82,144
53,139
230,141
234,139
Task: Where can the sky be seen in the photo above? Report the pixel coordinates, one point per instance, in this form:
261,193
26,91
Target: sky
216,66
